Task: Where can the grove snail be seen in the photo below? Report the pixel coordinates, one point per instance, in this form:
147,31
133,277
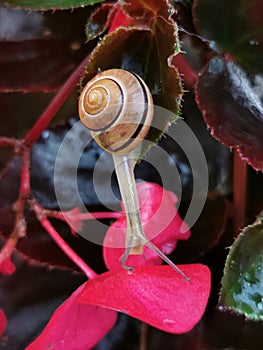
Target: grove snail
117,107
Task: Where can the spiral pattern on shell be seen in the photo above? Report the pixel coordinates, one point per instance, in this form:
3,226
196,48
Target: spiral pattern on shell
116,105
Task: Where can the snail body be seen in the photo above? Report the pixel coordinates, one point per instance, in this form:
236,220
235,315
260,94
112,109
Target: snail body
117,107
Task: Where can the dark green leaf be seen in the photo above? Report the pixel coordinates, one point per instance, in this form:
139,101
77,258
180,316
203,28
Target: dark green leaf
48,4
242,289
228,24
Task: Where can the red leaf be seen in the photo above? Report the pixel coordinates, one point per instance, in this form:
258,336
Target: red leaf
232,108
157,295
3,322
35,65
161,224
120,20
75,326
7,267
100,20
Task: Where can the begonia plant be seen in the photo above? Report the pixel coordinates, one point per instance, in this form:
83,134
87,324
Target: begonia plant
63,284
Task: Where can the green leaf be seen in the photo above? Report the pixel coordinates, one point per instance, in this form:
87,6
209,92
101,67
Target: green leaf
242,284
48,4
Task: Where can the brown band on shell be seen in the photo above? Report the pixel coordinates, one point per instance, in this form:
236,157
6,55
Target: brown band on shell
120,121
100,117
139,127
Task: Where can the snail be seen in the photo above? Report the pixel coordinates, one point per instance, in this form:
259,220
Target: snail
117,107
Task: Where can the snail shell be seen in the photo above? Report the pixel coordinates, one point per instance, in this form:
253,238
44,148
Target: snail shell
116,105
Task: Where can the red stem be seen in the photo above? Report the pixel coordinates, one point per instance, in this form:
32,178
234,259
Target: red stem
99,215
20,226
24,189
19,206
9,142
239,189
9,246
66,248
58,100
90,216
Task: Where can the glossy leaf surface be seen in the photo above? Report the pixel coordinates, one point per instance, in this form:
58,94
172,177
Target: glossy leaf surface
232,108
242,289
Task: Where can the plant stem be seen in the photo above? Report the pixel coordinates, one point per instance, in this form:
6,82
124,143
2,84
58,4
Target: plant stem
83,216
58,100
19,230
99,215
24,147
143,338
24,189
69,252
74,217
9,142
9,246
239,190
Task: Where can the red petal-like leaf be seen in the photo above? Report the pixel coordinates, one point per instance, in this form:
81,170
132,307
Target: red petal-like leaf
75,326
157,295
116,236
161,224
3,322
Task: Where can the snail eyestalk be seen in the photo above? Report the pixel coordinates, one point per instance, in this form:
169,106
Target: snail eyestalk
117,107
